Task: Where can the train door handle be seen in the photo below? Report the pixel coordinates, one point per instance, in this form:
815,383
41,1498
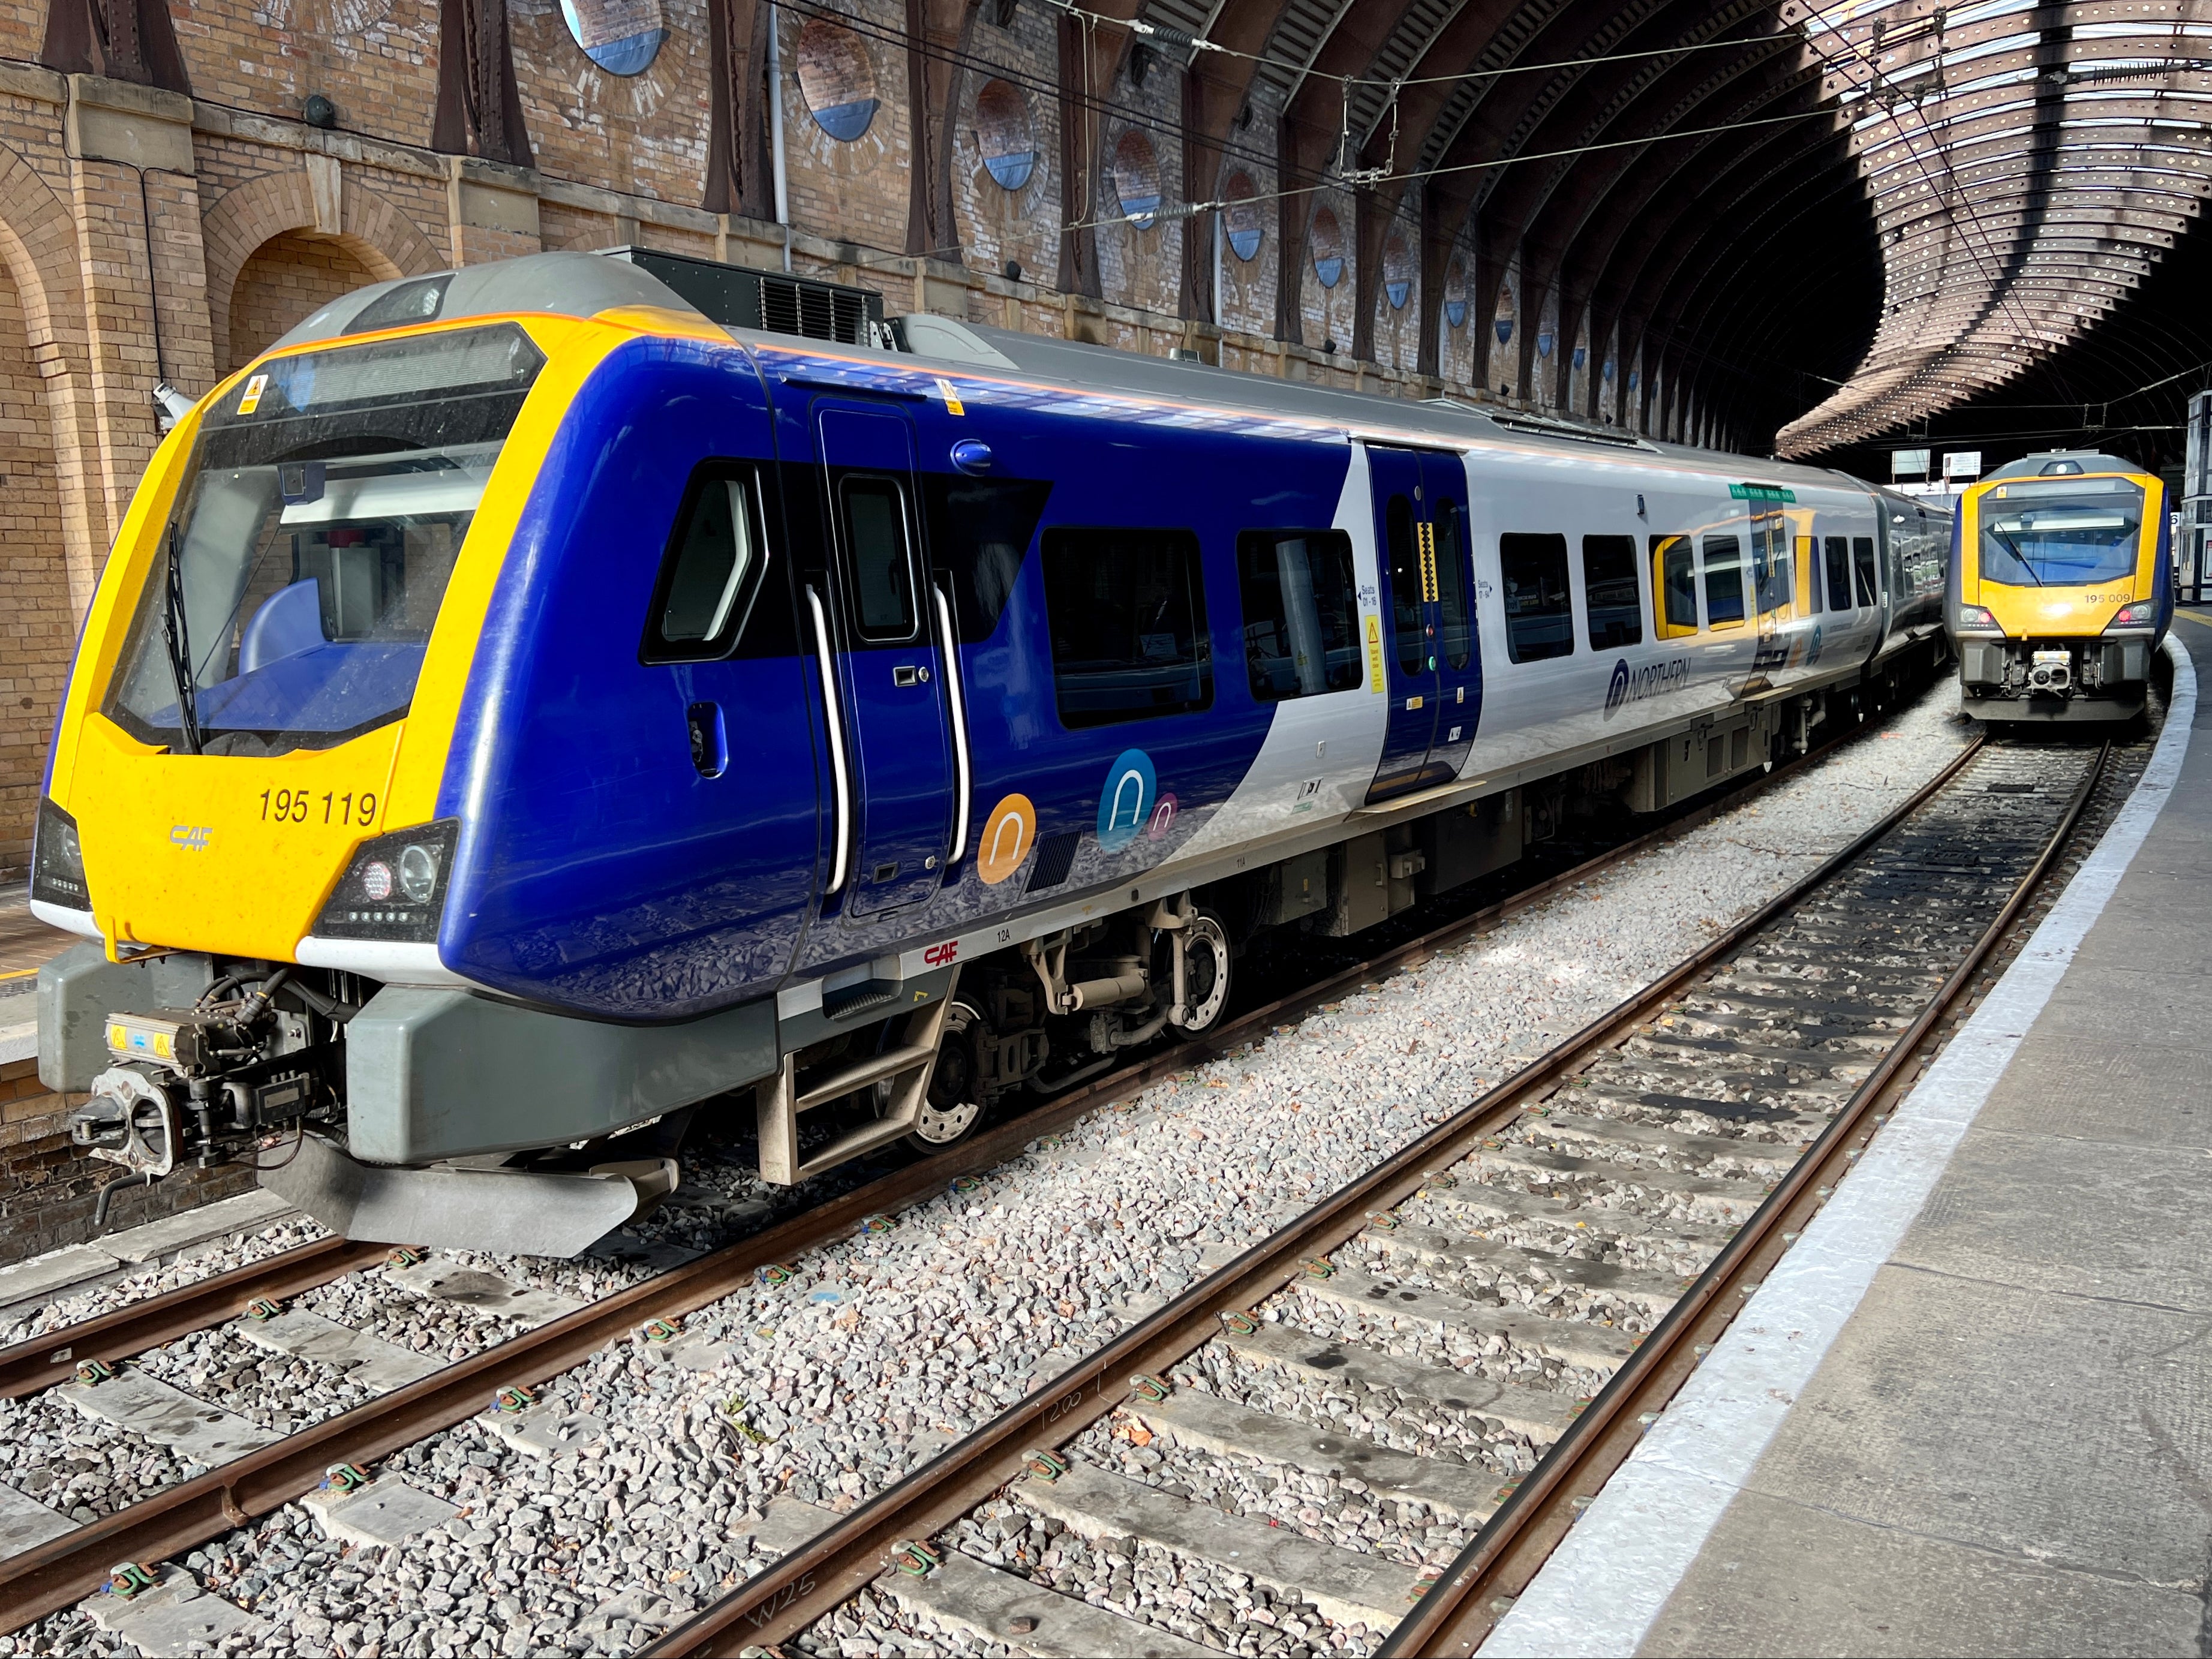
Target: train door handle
908,674
710,742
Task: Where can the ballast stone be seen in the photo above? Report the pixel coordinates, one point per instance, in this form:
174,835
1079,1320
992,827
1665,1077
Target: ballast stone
983,1602
1349,1587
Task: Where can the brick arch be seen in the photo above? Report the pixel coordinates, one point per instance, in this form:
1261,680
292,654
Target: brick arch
48,451
38,249
371,228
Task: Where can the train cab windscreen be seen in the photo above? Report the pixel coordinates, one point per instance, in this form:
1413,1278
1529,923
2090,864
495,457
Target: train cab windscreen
324,507
2060,531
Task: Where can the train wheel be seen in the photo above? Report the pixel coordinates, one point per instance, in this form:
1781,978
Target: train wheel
952,1111
1206,973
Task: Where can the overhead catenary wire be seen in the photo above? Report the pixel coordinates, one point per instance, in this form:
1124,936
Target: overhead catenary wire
1190,209
1173,36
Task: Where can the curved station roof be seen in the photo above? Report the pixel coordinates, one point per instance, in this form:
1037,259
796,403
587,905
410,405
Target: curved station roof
2028,164
1830,218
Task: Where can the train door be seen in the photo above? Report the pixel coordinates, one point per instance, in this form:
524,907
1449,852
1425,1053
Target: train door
1772,586
1432,669
896,721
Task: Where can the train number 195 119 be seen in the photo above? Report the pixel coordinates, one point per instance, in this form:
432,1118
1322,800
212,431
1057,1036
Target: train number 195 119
305,806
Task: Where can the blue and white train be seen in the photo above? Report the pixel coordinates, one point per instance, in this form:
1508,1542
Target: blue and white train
519,711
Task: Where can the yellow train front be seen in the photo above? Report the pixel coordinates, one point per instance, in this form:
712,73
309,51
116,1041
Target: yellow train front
2061,589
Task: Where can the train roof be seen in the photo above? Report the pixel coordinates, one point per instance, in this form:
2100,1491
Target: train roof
2061,463
585,284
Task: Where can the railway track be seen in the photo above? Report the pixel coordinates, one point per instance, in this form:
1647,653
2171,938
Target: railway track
1366,1432
250,1475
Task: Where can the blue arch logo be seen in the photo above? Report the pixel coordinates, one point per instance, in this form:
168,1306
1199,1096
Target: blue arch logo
1125,804
1617,693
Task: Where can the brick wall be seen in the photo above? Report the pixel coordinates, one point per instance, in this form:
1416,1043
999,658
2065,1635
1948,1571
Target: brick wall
48,1191
37,627
284,280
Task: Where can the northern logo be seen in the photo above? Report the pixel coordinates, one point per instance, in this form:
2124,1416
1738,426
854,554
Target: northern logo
1629,685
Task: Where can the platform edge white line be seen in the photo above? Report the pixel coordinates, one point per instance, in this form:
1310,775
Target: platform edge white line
1607,1581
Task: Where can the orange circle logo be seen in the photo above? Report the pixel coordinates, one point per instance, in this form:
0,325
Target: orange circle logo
1008,834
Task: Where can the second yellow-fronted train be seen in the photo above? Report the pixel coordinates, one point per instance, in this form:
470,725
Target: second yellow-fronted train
2061,589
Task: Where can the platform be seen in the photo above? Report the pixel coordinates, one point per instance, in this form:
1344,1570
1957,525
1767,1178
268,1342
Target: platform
1970,1411
26,944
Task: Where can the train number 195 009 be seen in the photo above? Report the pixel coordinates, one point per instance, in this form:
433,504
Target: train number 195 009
305,806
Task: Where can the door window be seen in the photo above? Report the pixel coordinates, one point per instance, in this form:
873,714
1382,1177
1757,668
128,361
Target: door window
1301,615
1539,611
711,570
1723,582
1616,612
1126,609
1862,564
1458,625
1839,573
1408,631
1769,544
882,565
1675,584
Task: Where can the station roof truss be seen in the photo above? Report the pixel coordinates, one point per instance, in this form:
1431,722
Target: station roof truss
1948,196
2028,164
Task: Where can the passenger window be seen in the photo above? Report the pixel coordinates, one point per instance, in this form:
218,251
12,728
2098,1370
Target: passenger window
710,573
1126,609
1862,562
882,567
1616,612
1539,612
1301,615
1809,572
1675,586
1723,582
1458,626
1839,573
1408,631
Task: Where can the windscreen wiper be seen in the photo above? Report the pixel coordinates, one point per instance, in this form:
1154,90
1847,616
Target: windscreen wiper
2018,557
180,652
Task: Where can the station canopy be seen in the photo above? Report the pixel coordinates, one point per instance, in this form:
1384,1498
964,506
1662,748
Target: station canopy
2027,164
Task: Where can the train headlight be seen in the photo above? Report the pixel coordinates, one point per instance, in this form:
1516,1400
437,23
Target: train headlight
418,871
58,860
2143,613
394,887
1977,619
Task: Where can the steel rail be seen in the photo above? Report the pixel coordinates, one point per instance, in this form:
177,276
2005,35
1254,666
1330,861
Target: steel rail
41,1362
175,1518
1459,1611
817,1578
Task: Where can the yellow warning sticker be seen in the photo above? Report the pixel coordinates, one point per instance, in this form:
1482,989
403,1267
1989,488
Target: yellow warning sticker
251,400
1375,654
945,390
